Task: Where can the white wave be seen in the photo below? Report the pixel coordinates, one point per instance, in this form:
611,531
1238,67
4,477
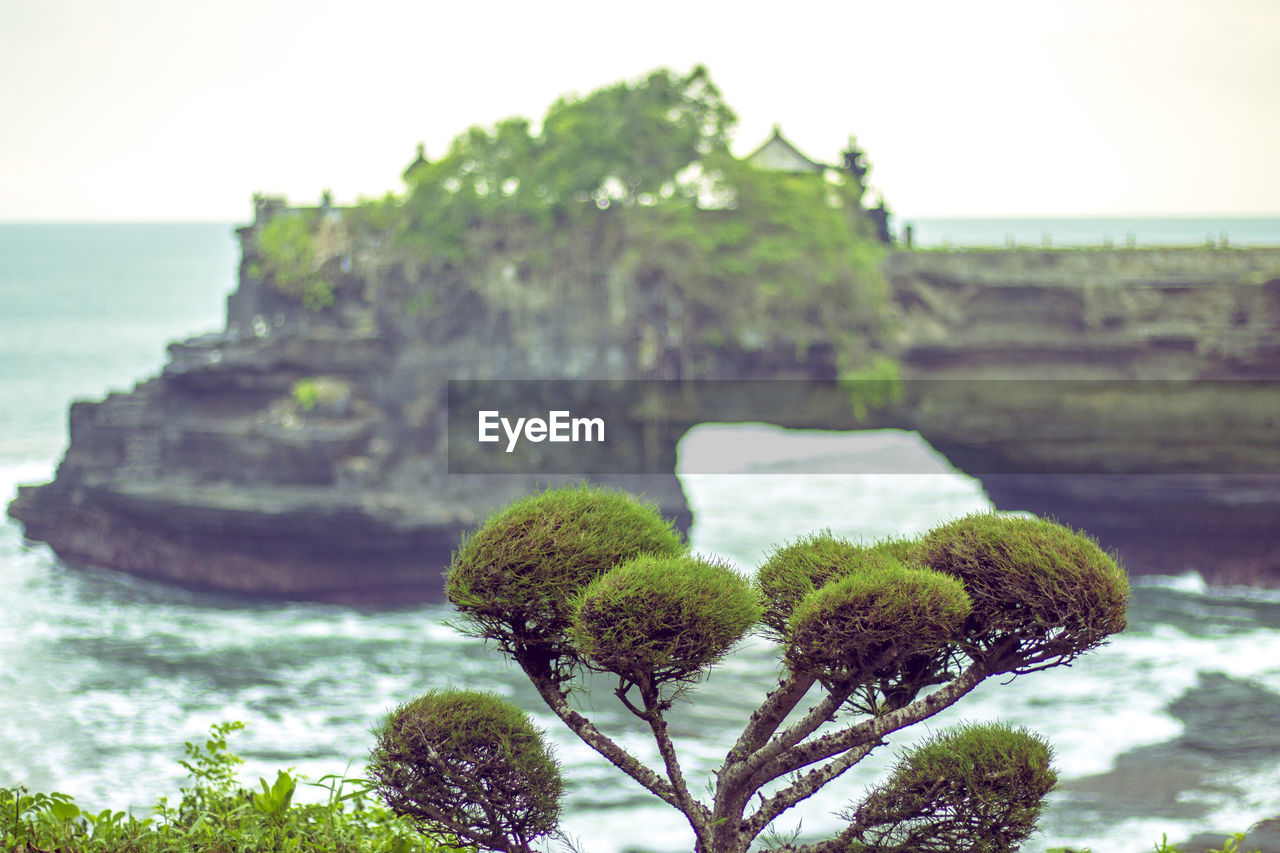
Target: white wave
14,474
1190,582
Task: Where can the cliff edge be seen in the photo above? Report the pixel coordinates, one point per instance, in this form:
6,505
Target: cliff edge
302,452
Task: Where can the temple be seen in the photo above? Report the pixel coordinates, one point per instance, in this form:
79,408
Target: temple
779,155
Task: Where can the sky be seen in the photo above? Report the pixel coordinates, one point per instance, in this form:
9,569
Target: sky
165,110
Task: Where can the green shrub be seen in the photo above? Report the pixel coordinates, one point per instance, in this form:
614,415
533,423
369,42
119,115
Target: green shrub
976,788
465,765
636,179
305,394
795,570
515,578
319,390
287,258
1042,593
586,578
662,618
880,615
214,814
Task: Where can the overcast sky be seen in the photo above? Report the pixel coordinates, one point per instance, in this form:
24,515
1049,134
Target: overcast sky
173,110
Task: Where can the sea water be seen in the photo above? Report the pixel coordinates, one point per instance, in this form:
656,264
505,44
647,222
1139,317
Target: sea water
103,676
1119,232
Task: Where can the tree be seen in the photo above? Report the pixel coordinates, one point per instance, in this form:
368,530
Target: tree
627,204
872,638
287,256
626,141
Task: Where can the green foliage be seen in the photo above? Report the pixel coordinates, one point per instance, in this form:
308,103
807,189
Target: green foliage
873,385
783,261
662,618
214,815
515,578
797,569
976,789
633,185
287,256
305,394
465,765
274,801
212,765
625,142
1230,845
1042,593
373,219
874,618
587,578
316,390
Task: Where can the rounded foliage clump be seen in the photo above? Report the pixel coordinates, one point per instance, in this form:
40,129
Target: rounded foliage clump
795,570
467,766
1041,592
879,615
515,577
664,618
977,788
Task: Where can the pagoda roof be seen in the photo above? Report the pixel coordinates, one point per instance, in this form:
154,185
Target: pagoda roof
779,155
418,163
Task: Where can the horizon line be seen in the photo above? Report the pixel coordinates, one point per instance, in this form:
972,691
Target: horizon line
901,218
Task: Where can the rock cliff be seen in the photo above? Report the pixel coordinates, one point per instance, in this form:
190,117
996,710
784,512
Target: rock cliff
1135,394
304,454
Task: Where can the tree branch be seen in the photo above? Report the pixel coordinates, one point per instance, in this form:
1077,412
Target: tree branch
839,844
873,730
699,815
804,787
765,721
621,691
801,729
824,711
558,702
738,781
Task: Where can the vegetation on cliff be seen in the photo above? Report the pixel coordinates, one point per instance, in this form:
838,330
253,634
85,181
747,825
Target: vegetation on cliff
287,253
626,201
871,640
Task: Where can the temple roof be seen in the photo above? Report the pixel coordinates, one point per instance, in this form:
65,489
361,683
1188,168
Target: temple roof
779,155
418,163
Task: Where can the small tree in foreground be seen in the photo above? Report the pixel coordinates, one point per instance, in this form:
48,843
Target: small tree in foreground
872,639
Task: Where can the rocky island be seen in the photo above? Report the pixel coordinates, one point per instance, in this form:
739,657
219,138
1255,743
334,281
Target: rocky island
302,451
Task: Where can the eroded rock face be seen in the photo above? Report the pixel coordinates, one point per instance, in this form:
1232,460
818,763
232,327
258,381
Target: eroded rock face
1134,394
302,454
1150,314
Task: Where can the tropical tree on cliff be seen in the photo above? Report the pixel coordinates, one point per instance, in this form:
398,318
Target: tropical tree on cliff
628,200
871,639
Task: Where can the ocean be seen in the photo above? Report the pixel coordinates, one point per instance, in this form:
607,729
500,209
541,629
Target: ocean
1119,232
1170,728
